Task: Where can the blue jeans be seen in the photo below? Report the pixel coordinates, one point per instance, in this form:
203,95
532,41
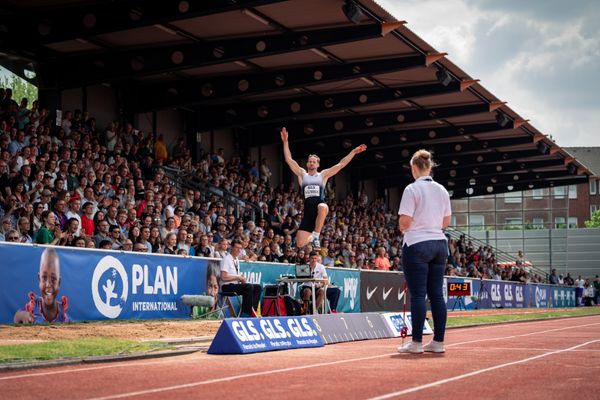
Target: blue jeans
424,264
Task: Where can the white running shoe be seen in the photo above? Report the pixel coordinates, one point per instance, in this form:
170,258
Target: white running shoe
411,347
434,347
316,243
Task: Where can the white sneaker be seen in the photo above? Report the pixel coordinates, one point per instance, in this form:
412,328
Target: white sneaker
316,243
411,347
434,347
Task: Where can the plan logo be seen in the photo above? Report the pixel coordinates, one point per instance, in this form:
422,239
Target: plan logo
541,297
109,287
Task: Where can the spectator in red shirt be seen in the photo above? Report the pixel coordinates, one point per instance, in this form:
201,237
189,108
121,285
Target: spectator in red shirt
87,219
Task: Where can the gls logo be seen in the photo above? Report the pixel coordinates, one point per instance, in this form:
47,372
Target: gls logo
257,330
109,303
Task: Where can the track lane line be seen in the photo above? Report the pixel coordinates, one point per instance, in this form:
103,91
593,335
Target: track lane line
137,363
298,368
235,377
477,372
521,335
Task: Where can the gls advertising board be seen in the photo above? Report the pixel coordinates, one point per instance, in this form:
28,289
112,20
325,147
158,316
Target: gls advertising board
252,335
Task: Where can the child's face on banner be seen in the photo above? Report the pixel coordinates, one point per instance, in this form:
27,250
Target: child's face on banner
49,280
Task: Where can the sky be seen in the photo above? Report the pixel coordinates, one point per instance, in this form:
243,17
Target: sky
540,56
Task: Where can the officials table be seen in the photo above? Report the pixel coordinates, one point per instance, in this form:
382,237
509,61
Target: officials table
311,282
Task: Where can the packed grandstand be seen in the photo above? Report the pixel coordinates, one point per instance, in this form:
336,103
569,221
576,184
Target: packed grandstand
74,183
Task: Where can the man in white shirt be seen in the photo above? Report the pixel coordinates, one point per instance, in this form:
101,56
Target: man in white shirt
74,208
233,281
319,272
579,283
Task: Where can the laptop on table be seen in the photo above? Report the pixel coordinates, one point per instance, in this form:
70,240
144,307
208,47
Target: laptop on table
303,271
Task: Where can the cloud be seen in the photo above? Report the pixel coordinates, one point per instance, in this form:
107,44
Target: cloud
541,57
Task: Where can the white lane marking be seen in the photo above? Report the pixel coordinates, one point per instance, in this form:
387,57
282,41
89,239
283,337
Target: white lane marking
477,372
521,349
521,335
235,377
66,371
275,371
135,364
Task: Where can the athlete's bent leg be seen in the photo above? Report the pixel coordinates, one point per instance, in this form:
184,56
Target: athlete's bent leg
322,212
303,238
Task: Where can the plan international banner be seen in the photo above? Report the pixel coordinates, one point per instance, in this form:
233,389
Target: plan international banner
96,285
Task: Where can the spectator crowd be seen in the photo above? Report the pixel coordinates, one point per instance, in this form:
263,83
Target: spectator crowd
72,183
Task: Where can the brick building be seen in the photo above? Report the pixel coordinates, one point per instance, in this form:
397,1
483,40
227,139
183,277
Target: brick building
548,208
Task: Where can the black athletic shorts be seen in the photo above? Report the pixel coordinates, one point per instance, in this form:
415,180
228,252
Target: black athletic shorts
309,216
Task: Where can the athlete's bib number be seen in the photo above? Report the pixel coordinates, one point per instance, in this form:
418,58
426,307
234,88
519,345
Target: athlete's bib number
312,191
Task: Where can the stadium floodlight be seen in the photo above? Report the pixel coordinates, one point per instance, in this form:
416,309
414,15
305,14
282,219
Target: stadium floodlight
353,12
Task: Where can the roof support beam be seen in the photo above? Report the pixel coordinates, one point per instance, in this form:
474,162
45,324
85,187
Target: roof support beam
451,161
492,188
480,190
374,169
247,114
68,23
211,90
456,148
364,122
505,179
121,64
406,137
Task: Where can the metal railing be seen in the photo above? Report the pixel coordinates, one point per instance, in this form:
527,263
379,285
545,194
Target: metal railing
233,204
501,256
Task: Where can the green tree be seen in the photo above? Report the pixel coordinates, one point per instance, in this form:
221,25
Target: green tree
594,222
20,87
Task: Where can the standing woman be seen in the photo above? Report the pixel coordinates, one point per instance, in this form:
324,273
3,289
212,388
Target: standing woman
424,213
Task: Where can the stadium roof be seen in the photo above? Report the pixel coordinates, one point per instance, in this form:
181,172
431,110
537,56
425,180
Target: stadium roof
588,156
336,73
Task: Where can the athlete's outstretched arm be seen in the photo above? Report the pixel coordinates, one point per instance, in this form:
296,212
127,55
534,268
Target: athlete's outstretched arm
287,154
329,172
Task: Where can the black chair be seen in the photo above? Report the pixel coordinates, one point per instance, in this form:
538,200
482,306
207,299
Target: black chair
224,302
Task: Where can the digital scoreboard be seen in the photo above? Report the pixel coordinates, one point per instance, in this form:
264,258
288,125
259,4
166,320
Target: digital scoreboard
458,289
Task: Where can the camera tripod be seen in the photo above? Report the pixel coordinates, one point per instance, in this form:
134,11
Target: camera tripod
482,289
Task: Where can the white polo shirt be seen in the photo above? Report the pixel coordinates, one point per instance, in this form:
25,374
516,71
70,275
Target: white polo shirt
319,272
427,203
229,264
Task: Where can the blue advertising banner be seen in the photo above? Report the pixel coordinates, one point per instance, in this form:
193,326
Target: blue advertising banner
396,321
346,279
563,296
56,284
539,295
503,294
252,335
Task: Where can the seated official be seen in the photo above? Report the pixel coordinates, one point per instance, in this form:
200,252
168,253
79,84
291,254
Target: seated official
318,271
233,281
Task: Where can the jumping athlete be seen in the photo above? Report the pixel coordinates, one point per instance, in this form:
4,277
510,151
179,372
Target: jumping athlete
312,184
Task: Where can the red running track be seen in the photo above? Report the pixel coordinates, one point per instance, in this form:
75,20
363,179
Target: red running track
531,360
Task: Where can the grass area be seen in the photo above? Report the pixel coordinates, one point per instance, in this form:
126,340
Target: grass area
98,346
74,348
494,319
